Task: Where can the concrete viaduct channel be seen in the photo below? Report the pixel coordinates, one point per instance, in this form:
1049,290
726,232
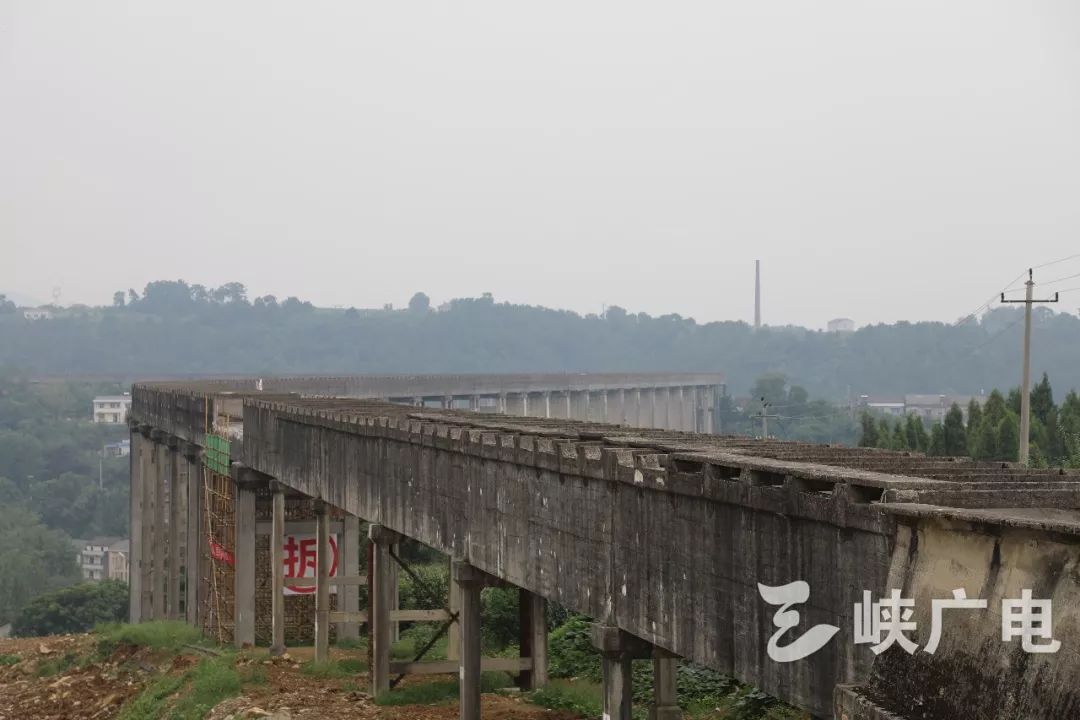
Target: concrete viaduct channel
662,535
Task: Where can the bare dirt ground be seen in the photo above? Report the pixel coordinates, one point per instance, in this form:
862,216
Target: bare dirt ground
58,678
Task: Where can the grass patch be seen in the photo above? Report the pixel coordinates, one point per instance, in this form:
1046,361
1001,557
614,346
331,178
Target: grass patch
153,702
55,666
358,643
439,691
169,635
212,681
582,697
9,660
333,669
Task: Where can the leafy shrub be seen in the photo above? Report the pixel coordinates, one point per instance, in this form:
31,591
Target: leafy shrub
73,609
570,650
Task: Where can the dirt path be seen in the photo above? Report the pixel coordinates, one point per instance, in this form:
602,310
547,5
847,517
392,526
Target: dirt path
59,678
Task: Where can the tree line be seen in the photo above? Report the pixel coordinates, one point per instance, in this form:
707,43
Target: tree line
173,327
990,431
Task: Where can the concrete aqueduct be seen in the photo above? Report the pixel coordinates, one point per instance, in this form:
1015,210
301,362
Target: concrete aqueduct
609,495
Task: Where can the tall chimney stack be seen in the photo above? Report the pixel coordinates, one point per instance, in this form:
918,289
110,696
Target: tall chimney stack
757,293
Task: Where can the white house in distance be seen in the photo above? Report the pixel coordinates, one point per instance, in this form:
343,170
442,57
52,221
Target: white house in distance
112,408
841,325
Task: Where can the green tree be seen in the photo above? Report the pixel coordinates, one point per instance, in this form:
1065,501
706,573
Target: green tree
995,408
1008,442
937,440
974,416
899,440
6,306
869,434
917,438
33,560
985,444
73,609
955,438
885,435
419,303
1042,400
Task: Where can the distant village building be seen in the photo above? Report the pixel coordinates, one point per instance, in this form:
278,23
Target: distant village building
929,408
841,325
121,448
116,560
37,314
112,408
104,558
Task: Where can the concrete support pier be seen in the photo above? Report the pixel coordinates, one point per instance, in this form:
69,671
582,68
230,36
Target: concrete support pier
193,504
161,481
470,581
244,610
615,664
453,633
534,640
349,566
176,482
135,561
380,600
322,585
277,571
665,695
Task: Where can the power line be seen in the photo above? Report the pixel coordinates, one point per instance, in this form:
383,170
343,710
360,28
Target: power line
994,297
987,304
1067,277
1055,262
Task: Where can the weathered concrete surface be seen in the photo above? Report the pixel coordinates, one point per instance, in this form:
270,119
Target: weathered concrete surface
993,558
662,534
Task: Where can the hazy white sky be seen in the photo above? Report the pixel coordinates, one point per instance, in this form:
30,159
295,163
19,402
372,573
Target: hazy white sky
885,160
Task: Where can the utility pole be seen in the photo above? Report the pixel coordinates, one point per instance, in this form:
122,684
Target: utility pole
1025,391
765,405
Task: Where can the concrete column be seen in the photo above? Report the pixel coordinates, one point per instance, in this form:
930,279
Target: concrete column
470,580
646,407
146,570
665,695
579,405
161,481
534,639
546,404
615,668
322,587
244,559
615,405
601,411
689,408
135,508
277,571
172,597
192,536
380,599
349,566
515,404
453,637
474,403
395,593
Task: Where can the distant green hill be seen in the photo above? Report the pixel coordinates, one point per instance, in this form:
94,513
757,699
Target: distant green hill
174,328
